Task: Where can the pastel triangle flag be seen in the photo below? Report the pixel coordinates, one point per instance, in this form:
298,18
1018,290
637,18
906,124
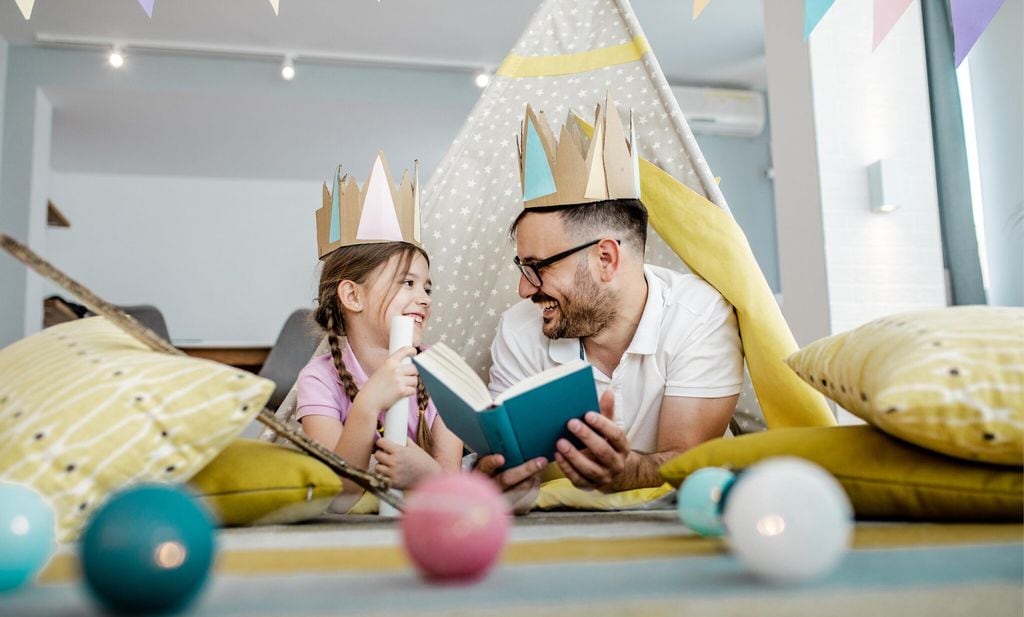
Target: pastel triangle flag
887,13
537,178
147,5
277,6
970,18
379,220
814,10
699,6
26,7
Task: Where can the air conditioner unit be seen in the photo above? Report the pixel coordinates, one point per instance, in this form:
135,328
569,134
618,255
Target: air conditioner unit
716,111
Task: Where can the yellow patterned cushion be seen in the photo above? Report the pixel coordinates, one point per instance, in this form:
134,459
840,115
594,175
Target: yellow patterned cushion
85,410
884,477
258,483
950,380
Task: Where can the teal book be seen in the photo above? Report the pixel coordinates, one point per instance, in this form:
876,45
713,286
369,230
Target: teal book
523,422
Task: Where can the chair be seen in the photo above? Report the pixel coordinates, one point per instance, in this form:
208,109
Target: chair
150,317
292,350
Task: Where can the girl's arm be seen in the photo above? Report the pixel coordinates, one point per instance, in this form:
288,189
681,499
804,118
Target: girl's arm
447,447
408,465
352,441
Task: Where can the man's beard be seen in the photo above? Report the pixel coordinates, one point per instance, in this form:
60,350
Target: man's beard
587,311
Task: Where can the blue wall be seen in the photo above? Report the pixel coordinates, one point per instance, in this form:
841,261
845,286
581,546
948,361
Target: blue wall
34,72
742,164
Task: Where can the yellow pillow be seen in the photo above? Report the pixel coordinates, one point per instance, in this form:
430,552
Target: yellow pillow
558,493
86,410
257,483
884,477
950,380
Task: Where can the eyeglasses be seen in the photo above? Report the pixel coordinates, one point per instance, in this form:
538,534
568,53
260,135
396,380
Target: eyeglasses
531,270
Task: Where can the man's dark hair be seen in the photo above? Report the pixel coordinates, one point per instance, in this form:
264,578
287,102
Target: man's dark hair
626,219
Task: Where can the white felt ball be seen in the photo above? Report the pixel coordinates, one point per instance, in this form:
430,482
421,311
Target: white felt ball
788,520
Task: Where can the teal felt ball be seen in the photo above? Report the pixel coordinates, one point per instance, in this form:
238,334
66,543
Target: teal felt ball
148,550
701,497
27,530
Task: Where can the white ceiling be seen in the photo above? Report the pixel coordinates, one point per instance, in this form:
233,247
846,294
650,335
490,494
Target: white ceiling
724,47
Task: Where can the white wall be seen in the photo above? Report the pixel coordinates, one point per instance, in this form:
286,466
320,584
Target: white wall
998,94
870,105
225,260
801,241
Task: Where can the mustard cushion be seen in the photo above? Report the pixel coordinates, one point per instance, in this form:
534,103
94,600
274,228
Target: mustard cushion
257,483
950,380
558,493
86,410
884,477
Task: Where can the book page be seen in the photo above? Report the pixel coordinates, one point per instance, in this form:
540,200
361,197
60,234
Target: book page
534,381
449,368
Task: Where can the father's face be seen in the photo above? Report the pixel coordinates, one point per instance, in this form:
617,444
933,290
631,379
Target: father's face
572,302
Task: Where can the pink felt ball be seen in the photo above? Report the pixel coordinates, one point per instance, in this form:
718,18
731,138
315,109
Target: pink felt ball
454,527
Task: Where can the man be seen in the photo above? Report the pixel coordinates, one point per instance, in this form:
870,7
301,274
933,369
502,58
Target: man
664,345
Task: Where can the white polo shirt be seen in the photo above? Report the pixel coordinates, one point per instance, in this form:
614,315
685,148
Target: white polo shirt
686,344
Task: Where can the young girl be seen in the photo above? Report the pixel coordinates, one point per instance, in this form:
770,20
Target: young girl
343,395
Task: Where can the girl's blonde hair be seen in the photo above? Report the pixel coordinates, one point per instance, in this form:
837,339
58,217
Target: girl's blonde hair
355,263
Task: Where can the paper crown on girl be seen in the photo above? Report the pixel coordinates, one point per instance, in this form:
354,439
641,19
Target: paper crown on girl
379,212
578,169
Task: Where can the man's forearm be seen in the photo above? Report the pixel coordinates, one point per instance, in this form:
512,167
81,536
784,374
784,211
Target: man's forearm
641,470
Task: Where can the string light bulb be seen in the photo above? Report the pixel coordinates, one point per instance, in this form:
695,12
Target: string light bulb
116,57
483,79
288,69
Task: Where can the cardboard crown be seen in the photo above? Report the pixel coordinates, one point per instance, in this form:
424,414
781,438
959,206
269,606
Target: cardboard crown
577,169
379,212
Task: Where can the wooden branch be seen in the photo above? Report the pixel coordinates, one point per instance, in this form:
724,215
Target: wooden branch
372,482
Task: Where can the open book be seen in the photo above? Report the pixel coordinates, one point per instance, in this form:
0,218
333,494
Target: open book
523,422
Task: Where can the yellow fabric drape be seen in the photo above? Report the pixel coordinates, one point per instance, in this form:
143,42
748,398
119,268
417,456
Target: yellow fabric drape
710,241
712,244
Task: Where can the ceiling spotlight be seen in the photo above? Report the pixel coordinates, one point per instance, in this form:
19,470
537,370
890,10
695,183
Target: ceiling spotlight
483,78
116,58
288,69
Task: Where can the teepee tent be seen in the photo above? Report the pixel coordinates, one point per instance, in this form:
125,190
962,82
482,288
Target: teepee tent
571,55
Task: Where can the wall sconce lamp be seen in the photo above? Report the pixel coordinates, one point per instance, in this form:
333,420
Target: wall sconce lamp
882,182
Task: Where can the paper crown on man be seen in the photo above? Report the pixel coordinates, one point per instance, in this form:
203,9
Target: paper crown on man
578,169
379,212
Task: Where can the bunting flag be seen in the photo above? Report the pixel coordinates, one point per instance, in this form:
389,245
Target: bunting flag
699,6
887,13
277,6
814,10
970,18
26,7
147,5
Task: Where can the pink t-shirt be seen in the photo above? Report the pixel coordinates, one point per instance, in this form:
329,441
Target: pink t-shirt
321,392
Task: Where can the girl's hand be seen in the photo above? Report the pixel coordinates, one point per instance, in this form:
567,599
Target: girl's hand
404,465
393,381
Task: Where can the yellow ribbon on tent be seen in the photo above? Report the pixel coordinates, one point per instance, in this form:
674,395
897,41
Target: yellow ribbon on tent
569,64
711,243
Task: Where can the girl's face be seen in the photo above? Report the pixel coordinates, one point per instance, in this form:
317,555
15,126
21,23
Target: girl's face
412,297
